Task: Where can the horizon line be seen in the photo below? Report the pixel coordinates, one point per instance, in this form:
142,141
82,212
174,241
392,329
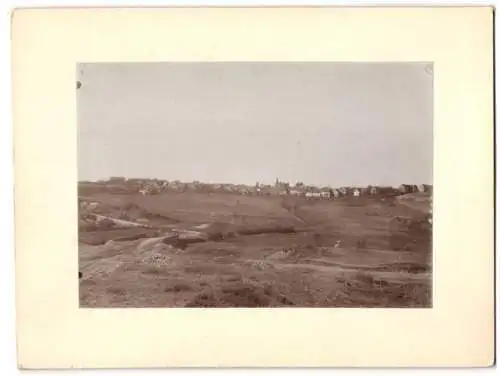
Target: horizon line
245,184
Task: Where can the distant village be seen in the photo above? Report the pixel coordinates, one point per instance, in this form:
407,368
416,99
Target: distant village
279,188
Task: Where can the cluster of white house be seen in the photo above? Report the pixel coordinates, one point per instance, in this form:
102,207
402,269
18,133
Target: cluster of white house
155,186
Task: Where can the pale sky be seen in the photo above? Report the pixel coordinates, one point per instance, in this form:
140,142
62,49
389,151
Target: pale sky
320,123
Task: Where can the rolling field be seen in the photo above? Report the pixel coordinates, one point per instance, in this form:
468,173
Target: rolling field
224,250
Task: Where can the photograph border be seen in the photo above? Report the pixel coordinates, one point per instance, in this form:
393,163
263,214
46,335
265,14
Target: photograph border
52,332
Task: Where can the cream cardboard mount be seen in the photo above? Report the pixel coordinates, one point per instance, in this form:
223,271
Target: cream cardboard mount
53,331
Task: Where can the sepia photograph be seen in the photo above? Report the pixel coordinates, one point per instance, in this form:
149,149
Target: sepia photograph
259,184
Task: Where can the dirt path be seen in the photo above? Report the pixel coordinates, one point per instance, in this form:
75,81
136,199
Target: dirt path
149,243
122,222
103,267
